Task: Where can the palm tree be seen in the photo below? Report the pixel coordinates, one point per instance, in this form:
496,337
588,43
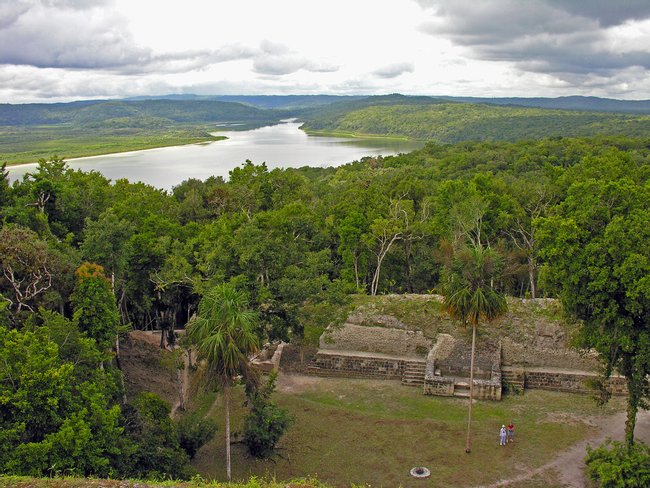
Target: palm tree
224,336
470,297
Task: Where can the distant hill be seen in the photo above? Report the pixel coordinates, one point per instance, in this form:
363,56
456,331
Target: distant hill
595,104
134,112
427,118
278,102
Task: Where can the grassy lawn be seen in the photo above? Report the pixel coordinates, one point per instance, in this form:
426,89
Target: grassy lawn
372,432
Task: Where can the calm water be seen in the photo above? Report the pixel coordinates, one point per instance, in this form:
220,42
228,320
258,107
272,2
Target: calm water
280,146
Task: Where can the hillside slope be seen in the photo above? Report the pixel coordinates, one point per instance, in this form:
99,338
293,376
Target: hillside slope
425,118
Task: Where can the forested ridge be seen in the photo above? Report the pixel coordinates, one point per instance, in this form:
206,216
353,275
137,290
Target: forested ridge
83,258
446,121
29,132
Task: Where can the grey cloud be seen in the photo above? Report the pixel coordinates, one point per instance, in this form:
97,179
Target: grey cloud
548,36
278,65
277,60
394,70
81,34
606,12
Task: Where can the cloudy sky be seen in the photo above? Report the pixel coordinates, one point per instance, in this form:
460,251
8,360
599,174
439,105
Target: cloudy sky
60,50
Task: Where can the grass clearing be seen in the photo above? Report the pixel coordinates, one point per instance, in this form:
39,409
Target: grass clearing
28,144
351,431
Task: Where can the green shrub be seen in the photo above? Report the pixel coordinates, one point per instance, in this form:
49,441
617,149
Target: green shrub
614,465
193,433
266,422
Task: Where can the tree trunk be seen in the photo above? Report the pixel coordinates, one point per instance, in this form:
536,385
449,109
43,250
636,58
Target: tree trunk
632,409
468,444
531,276
356,270
182,380
226,401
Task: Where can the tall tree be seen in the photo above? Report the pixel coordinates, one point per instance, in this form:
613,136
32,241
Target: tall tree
385,231
598,260
470,298
94,305
27,266
224,336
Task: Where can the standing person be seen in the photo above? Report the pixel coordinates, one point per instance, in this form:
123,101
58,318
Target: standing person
511,432
502,436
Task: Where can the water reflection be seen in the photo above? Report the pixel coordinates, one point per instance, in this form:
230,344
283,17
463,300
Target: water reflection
279,146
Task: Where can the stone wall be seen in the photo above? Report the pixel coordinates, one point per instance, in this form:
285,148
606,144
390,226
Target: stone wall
559,380
382,340
327,363
452,357
439,385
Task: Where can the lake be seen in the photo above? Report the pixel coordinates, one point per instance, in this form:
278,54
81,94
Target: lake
279,146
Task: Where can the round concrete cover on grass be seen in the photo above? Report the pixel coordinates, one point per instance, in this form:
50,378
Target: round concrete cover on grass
420,472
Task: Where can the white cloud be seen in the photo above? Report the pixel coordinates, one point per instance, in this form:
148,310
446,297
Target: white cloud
71,49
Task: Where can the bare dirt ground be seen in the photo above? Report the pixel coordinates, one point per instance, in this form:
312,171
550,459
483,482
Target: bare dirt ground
567,467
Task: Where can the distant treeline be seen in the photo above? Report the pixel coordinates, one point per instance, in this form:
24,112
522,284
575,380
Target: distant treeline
443,121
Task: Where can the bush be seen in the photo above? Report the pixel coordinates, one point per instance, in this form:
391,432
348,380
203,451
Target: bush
614,465
154,448
194,433
266,422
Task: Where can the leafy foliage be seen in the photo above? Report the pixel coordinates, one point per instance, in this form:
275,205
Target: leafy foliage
616,465
193,433
450,122
154,451
50,419
94,305
266,422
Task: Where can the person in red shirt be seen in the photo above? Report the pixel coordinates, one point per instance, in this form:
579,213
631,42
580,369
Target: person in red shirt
511,432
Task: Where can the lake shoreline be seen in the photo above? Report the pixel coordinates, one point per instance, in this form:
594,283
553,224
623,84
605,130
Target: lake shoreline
92,154
282,146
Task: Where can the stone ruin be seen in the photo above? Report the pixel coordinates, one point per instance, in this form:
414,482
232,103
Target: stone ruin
381,346
447,369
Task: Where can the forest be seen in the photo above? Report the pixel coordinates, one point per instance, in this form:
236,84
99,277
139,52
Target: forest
84,259
449,121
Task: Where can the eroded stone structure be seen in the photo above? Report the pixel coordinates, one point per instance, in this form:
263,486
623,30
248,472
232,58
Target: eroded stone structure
382,346
447,369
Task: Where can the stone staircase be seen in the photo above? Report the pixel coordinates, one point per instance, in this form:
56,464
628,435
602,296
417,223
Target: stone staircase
413,374
461,389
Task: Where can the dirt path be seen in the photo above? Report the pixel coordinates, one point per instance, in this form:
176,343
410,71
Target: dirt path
569,464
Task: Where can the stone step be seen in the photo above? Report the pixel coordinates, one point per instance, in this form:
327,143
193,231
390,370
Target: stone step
413,376
416,364
413,371
413,379
419,381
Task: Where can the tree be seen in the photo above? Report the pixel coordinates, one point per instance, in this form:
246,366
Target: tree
598,261
616,465
156,451
94,305
266,422
5,190
54,415
224,337
27,265
470,298
385,231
